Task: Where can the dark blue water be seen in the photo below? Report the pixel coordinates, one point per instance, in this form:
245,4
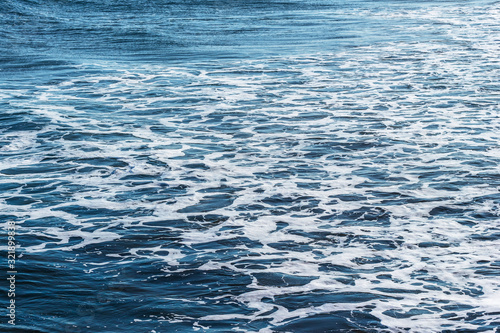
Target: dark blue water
251,166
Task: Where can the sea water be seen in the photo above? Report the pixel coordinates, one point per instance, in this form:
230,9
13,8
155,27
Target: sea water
251,166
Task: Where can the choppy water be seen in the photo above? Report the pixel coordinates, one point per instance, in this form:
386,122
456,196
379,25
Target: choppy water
257,166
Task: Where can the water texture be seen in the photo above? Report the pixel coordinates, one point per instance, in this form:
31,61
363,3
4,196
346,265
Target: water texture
251,166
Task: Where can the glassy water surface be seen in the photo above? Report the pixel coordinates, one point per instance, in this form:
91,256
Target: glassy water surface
251,166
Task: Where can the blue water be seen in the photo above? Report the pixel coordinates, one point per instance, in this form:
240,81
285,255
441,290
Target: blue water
251,166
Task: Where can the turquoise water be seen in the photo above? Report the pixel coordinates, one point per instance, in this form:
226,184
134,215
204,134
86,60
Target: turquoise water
256,166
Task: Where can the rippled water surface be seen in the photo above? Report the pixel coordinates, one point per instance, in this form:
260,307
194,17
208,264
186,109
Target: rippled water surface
251,166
